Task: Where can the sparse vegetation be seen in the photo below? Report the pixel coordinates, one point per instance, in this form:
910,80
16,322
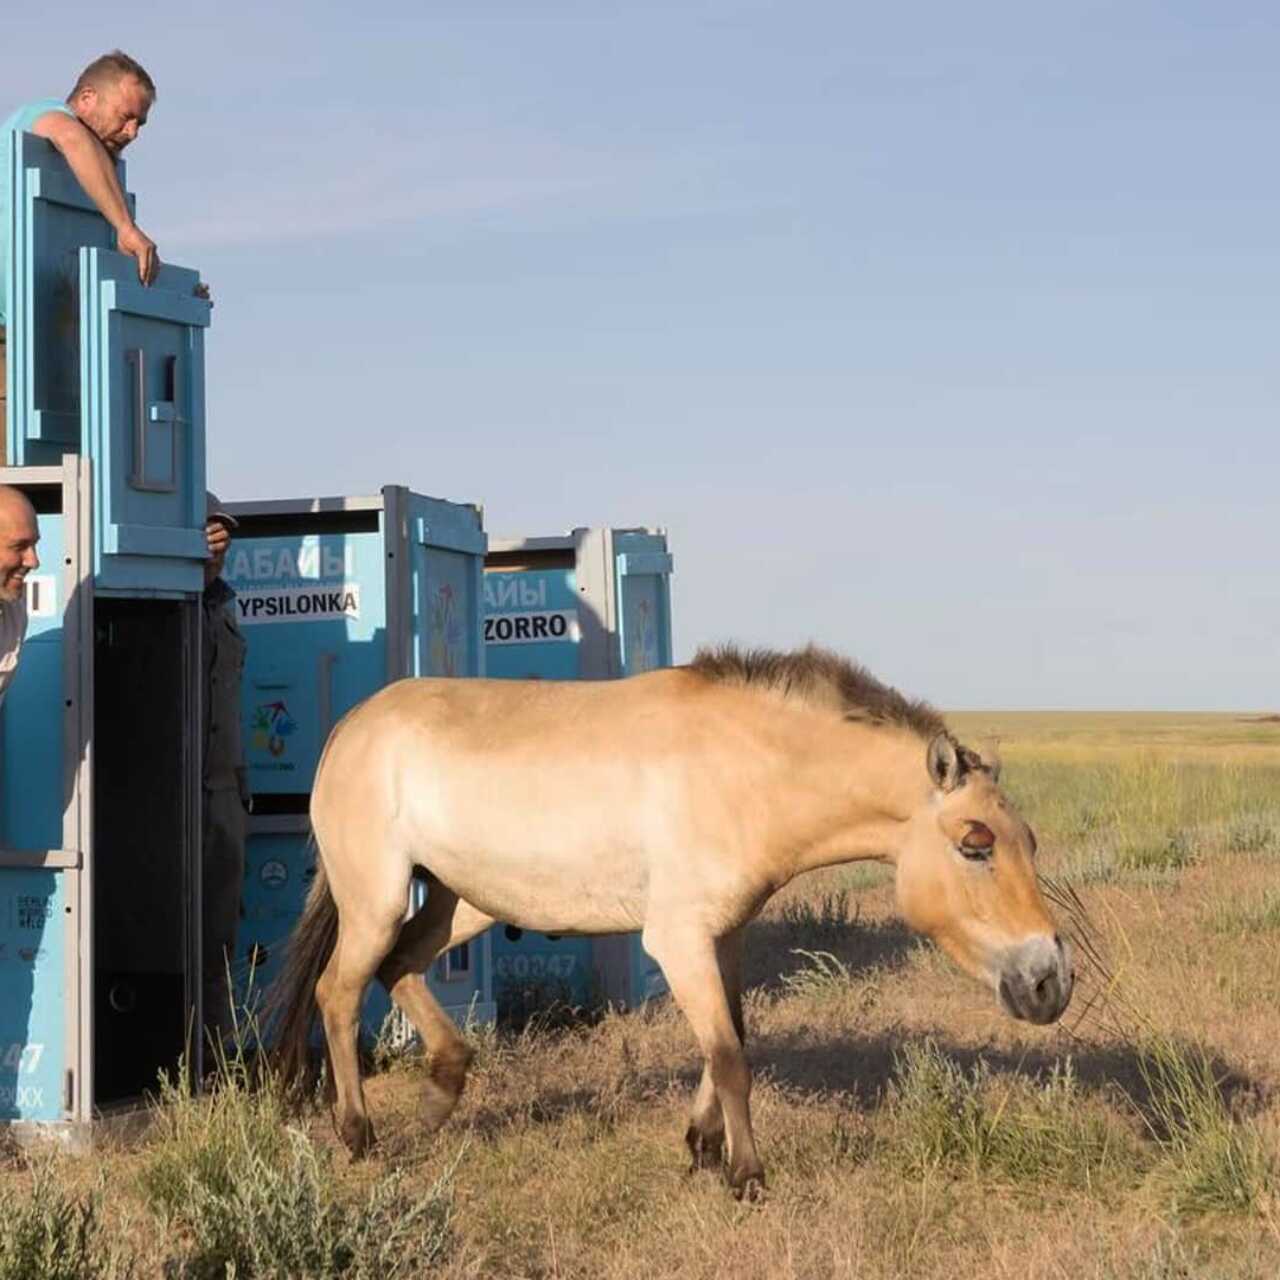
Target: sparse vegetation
1256,913
51,1232
908,1127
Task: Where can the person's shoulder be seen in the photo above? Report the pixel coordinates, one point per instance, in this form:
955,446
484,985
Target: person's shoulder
13,620
25,116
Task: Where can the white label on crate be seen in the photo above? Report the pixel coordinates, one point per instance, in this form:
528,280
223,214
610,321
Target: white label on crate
532,628
298,604
42,596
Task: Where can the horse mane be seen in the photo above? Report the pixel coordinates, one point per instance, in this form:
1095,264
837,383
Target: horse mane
819,678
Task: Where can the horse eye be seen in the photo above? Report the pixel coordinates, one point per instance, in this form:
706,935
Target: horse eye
978,842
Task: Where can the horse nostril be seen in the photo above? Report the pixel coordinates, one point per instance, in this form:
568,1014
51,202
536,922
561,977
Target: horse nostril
1045,988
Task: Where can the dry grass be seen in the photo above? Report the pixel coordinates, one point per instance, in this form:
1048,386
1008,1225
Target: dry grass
908,1128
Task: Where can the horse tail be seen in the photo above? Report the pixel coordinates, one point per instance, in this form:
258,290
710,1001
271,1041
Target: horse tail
291,1003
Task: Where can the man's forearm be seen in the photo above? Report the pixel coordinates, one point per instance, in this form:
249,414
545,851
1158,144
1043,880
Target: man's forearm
96,173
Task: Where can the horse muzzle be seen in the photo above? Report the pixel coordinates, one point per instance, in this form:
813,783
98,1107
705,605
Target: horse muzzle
1037,980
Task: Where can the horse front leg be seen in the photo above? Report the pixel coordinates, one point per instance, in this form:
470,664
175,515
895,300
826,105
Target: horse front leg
705,1135
692,965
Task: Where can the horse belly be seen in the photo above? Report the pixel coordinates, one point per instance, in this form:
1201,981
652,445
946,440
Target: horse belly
523,875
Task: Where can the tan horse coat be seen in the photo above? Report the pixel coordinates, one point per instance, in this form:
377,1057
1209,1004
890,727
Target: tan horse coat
674,802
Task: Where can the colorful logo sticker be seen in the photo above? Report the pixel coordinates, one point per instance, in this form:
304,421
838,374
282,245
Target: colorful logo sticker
446,632
270,726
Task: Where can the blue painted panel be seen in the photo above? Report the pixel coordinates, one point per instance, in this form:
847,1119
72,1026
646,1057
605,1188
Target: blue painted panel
531,625
447,549
313,612
643,570
34,937
532,970
279,870
50,220
647,978
31,767
142,390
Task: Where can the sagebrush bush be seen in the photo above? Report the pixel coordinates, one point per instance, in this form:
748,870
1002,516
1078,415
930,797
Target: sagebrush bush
251,1196
48,1233
281,1219
825,917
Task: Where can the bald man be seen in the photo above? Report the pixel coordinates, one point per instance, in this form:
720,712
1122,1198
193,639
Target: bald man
19,534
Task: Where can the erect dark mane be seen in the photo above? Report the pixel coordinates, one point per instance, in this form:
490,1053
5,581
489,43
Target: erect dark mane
820,678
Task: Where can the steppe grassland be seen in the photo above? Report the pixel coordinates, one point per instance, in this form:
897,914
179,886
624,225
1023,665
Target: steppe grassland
909,1129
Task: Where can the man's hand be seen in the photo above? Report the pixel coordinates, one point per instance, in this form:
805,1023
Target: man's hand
218,537
137,245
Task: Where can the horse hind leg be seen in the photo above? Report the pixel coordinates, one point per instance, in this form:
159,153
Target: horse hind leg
705,1134
443,921
363,941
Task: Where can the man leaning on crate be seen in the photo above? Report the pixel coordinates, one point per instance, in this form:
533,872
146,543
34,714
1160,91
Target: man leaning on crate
101,116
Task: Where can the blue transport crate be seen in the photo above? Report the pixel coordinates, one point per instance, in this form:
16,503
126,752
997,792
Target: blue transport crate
337,597
593,604
100,731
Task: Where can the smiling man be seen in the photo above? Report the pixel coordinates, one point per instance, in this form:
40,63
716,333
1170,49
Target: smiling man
100,118
19,534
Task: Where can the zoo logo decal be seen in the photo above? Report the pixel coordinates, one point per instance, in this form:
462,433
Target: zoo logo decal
270,726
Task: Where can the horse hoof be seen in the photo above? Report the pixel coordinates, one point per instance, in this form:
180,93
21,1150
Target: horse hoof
750,1189
707,1149
446,1079
438,1105
357,1136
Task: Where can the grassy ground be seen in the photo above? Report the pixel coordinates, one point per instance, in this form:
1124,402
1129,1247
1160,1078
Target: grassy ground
908,1128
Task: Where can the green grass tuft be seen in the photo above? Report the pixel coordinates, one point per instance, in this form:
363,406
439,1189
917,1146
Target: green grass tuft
1258,915
1212,1162
1020,1131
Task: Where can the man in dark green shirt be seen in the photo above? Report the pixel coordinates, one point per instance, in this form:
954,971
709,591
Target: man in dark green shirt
226,792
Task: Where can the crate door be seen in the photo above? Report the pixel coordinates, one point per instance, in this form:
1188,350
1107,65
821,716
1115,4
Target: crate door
50,221
446,559
644,602
142,387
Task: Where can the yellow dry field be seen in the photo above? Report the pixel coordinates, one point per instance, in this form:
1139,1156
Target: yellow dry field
908,1128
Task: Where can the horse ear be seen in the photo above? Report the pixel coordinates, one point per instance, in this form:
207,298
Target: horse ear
945,765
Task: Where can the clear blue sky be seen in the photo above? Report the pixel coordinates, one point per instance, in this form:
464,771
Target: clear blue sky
942,334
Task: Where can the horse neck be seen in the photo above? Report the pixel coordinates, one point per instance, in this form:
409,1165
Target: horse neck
860,787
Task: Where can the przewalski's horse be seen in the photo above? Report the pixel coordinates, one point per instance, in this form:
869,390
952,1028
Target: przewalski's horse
674,802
